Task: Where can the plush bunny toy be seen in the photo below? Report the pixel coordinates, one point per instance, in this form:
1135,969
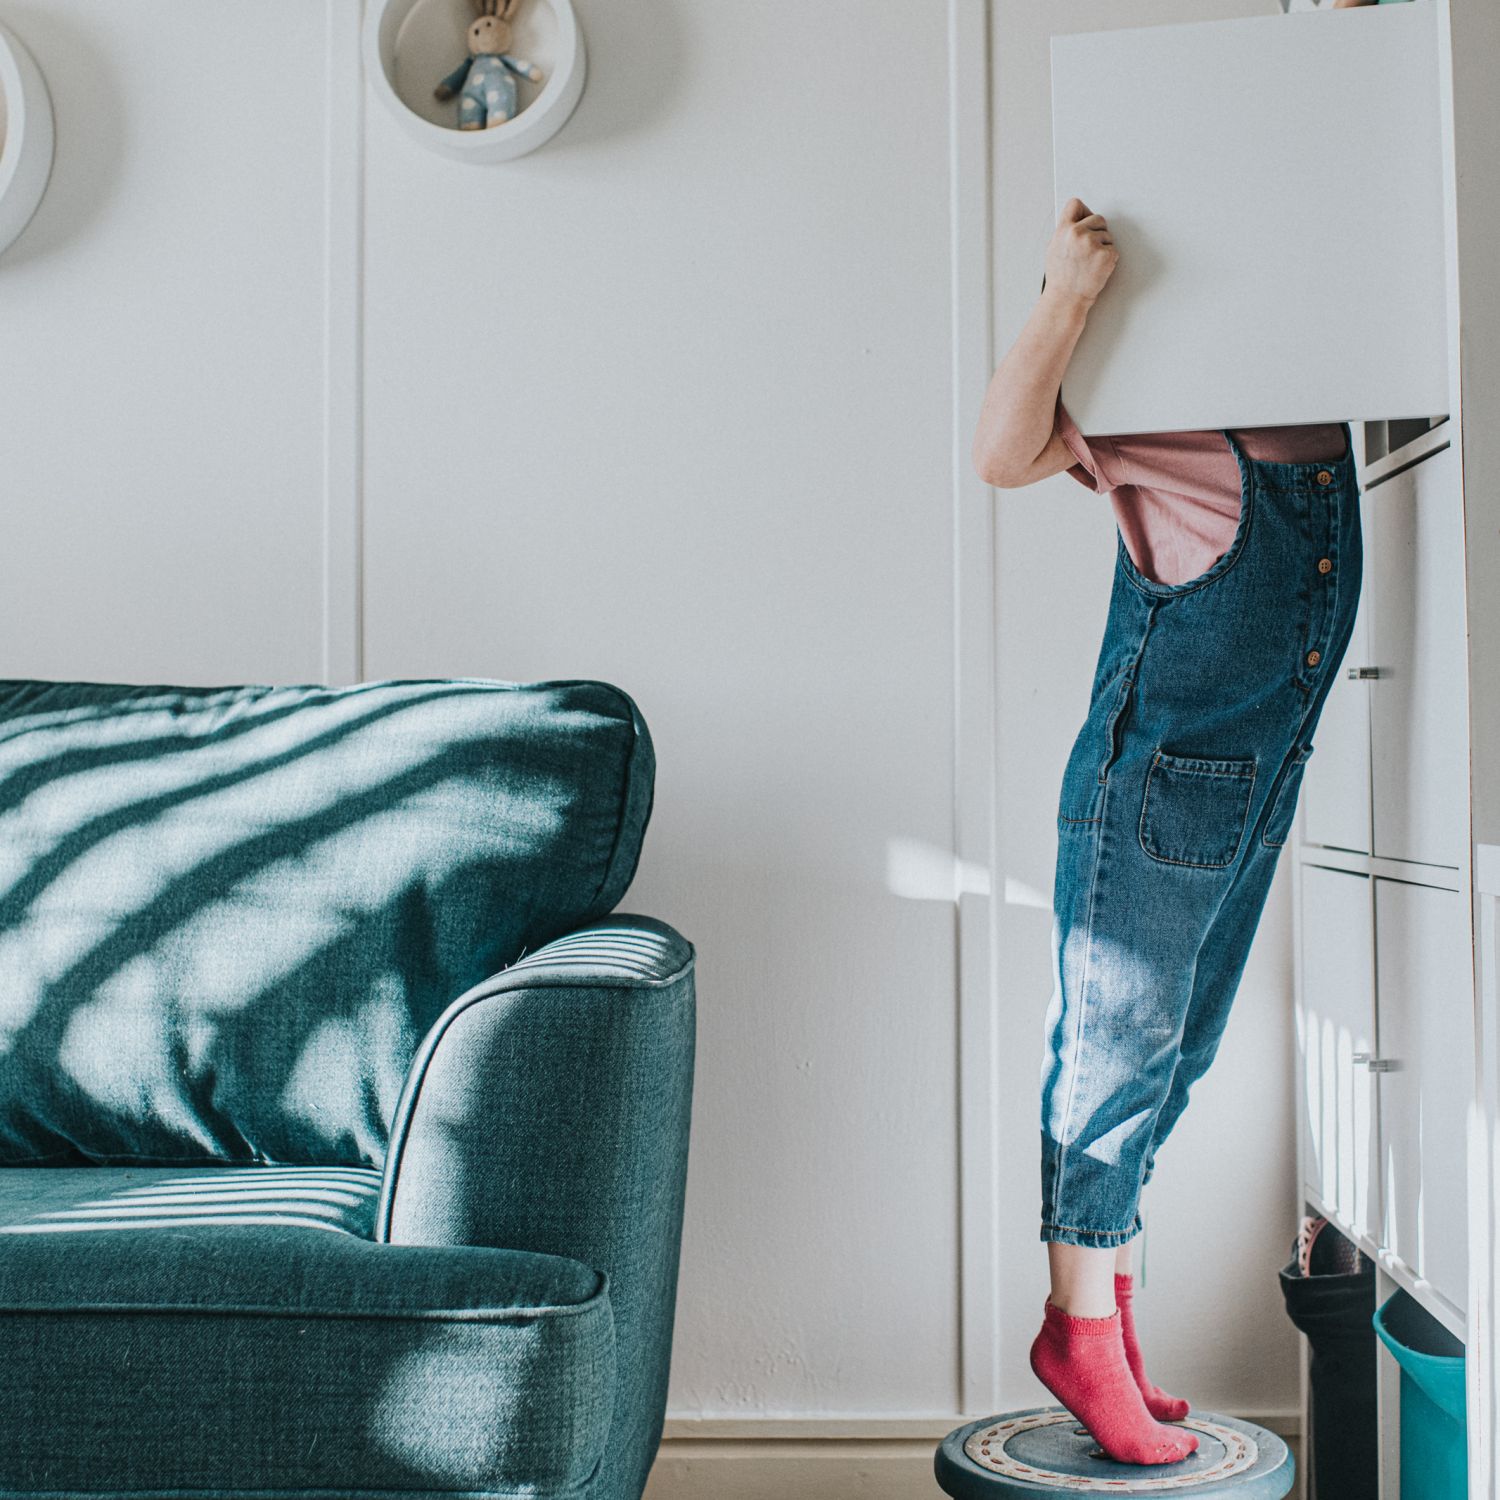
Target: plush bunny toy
488,96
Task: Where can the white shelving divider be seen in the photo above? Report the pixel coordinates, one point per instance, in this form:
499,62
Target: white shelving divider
1483,1370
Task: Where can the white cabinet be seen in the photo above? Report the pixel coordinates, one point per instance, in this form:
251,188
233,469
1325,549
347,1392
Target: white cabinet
1418,643
1384,965
1336,1025
1391,772
1426,1035
1335,124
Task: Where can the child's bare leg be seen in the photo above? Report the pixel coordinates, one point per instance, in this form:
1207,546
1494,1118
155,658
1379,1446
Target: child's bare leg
1162,1405
1083,1279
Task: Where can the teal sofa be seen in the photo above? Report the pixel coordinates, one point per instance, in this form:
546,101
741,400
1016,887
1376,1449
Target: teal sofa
343,1129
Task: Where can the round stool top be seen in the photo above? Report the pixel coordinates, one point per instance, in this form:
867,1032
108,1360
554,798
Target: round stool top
1044,1451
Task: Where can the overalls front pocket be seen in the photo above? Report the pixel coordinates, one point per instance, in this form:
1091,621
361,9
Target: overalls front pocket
1195,808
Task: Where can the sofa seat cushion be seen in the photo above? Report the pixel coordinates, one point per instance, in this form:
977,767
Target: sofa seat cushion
234,1331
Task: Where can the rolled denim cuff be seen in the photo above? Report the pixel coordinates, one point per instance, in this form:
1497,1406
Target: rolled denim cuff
1098,1239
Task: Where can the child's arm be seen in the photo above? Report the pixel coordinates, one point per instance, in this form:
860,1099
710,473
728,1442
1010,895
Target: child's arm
1017,442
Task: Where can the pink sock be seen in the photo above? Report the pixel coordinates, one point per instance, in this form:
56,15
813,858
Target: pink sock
1163,1407
1082,1362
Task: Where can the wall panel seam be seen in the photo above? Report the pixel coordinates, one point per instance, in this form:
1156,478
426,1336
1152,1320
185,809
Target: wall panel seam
343,350
976,1067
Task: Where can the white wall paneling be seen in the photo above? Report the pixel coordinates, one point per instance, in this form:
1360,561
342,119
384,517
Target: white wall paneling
670,403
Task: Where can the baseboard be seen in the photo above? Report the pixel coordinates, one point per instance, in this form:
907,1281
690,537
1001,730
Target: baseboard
794,1469
823,1458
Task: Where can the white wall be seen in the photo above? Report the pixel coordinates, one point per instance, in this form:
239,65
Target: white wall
669,403
708,459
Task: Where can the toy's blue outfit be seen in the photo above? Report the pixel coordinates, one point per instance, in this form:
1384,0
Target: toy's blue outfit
1177,797
488,87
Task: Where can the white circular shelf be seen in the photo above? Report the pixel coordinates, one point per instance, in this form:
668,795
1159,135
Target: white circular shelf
25,138
411,44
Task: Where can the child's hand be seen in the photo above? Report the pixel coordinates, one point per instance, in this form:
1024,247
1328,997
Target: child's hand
1082,255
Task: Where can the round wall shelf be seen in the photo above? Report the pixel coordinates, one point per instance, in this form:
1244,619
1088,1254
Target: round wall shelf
25,138
410,45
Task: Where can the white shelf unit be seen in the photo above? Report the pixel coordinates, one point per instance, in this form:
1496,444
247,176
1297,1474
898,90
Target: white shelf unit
1396,855
1381,879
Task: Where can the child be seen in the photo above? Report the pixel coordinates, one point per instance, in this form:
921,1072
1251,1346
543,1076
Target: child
1237,573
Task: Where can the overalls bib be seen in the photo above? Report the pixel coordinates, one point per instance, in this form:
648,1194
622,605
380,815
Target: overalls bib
1177,798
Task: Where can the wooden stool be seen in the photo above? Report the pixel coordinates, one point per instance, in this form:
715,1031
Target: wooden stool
1044,1451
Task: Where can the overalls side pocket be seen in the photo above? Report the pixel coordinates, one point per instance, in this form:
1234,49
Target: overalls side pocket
1095,750
1194,808
1284,799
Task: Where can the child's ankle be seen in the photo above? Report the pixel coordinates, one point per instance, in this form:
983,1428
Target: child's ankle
1081,1307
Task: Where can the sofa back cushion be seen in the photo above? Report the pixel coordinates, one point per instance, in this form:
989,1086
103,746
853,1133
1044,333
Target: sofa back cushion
228,915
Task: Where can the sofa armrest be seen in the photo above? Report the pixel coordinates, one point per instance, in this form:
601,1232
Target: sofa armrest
548,1110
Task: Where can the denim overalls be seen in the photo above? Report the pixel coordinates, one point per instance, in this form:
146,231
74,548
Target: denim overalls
1177,798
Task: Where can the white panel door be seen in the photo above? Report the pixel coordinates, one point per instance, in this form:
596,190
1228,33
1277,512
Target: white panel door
1336,784
1418,705
1336,1022
1426,1029
1239,164
162,381
684,477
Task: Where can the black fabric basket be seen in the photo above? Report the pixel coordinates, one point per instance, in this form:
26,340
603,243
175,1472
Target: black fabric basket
1335,1312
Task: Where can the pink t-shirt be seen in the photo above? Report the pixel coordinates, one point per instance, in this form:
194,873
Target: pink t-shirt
1176,495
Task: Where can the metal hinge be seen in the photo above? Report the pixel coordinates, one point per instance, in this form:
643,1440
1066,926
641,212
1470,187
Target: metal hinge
1376,1064
1358,674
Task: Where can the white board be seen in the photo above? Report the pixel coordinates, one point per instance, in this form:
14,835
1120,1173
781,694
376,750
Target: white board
1274,186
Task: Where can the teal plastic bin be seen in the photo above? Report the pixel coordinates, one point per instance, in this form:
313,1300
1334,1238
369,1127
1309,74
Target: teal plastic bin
1434,1425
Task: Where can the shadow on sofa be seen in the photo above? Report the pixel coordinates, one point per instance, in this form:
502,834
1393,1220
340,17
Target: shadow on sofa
343,1132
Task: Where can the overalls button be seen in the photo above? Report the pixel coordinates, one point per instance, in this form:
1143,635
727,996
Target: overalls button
1323,477
1314,657
1325,565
